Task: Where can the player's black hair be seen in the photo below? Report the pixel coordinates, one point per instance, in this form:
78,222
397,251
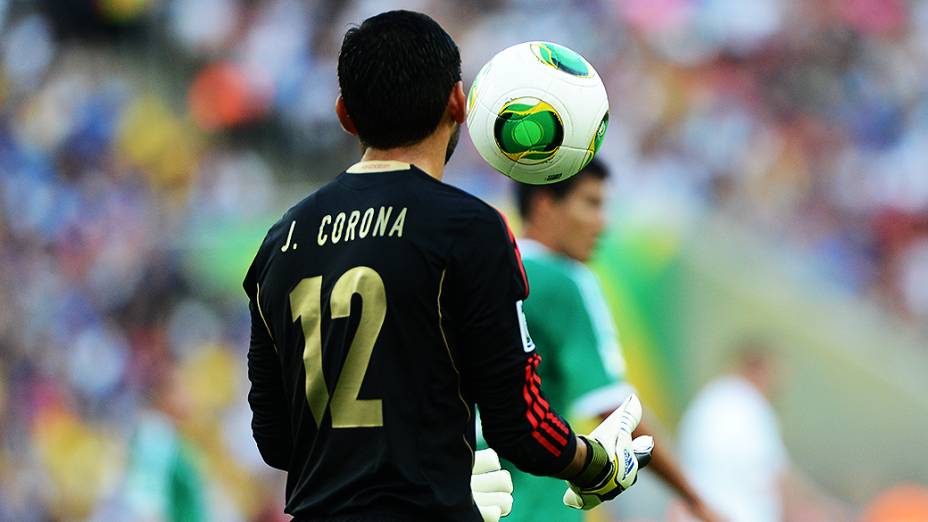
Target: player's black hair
525,193
395,73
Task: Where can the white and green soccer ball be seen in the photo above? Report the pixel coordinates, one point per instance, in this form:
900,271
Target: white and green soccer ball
537,112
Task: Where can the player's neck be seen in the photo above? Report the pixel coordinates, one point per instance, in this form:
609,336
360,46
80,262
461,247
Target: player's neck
425,155
538,235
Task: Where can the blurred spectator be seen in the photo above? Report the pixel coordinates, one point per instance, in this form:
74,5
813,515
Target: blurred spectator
732,451
730,444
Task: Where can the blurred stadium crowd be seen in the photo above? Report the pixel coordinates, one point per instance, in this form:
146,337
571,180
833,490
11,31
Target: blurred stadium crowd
131,131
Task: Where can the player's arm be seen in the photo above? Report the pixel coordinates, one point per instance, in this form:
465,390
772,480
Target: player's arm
270,423
486,283
482,288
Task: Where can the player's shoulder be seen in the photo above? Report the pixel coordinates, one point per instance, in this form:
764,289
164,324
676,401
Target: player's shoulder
276,236
311,205
277,232
470,213
458,199
552,269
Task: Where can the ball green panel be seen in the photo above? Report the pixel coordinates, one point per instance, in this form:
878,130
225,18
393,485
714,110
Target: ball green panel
528,130
562,59
597,140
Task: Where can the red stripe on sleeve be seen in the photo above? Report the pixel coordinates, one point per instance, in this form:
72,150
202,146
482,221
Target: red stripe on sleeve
538,411
526,394
560,439
545,444
557,422
536,380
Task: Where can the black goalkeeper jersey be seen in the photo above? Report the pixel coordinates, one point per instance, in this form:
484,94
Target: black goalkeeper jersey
384,307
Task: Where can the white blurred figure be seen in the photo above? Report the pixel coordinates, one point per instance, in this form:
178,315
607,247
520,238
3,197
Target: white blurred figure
732,452
730,444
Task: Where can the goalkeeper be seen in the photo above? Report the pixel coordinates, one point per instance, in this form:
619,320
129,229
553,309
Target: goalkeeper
583,370
369,352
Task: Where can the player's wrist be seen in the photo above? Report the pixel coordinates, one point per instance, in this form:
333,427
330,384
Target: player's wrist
597,468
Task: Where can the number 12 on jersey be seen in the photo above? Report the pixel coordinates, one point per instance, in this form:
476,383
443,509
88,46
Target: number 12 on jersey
306,306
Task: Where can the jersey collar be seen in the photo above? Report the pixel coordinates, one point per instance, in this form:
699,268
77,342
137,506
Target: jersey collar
362,167
530,247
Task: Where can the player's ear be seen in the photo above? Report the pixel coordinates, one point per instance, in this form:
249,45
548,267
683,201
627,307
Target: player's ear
344,118
457,103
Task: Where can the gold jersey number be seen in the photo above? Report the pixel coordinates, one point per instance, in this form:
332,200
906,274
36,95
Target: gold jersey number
306,305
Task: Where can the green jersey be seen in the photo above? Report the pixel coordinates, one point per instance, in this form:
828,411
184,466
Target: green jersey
582,368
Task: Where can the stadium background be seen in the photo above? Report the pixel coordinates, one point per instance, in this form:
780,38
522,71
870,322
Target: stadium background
769,163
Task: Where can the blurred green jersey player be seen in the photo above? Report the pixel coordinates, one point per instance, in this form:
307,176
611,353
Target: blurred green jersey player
583,370
572,328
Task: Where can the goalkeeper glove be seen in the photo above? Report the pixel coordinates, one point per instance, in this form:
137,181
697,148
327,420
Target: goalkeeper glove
491,486
613,459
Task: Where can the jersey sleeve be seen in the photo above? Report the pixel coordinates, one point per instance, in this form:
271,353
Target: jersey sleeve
486,285
583,340
270,422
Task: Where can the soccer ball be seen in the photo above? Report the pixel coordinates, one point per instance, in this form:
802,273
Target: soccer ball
537,112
